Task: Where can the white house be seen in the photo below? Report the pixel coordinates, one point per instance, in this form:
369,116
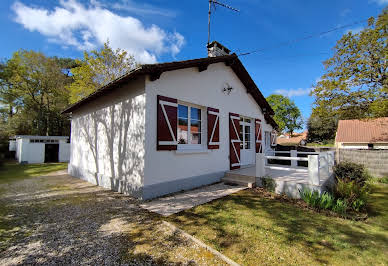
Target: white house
167,127
40,149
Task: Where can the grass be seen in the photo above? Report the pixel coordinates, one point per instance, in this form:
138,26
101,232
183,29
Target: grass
328,143
10,172
251,229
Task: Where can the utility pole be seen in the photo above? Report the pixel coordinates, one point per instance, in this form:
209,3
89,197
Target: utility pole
214,3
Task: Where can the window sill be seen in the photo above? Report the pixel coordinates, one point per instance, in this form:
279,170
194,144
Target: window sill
191,151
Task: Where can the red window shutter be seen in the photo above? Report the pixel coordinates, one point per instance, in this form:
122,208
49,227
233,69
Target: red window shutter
258,136
234,150
167,124
213,128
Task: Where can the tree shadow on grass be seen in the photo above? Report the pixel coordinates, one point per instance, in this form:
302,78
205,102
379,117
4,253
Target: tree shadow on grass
320,236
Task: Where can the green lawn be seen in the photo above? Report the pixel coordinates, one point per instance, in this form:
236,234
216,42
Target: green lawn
14,171
254,230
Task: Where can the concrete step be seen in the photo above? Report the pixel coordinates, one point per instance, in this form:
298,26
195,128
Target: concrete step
242,180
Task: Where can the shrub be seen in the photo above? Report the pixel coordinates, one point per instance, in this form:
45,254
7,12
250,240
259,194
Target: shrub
340,206
326,201
354,194
311,197
383,180
268,183
348,171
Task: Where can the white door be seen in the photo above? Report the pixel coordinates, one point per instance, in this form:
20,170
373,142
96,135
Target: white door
247,135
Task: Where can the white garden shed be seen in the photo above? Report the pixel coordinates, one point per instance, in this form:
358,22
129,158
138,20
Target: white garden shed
40,149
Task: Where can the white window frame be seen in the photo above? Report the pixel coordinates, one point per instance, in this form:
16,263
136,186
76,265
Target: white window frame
243,123
190,146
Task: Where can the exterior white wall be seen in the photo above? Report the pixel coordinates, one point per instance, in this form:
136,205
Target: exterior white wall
107,139
204,89
30,152
346,145
12,145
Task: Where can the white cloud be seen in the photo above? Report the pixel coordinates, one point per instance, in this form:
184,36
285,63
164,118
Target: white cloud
355,30
142,9
380,2
294,92
87,27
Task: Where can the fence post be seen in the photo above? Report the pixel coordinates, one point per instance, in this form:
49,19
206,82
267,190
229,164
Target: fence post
313,169
294,153
260,165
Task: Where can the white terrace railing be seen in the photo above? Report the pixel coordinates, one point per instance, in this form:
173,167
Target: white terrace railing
319,164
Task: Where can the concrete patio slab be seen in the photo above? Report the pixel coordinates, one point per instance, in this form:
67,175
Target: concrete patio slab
188,199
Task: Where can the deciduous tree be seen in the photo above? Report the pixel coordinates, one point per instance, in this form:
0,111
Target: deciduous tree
98,68
287,114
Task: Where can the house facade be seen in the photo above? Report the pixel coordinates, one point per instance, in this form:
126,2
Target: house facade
168,127
362,134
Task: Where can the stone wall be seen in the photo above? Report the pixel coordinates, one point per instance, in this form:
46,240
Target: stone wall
376,161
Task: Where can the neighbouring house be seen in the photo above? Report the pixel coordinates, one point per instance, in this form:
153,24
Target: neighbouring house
168,127
40,149
362,134
295,139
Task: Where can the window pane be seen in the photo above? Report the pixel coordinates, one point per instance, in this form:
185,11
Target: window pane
247,145
195,138
182,131
195,113
247,129
183,111
195,126
247,120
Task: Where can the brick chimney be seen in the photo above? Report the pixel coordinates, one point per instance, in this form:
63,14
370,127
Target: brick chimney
216,49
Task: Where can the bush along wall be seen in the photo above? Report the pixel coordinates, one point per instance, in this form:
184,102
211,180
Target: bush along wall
350,192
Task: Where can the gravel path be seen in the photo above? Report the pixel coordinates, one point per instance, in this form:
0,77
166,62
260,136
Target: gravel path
58,219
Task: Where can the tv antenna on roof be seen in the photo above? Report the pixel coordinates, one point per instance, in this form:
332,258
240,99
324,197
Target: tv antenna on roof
214,3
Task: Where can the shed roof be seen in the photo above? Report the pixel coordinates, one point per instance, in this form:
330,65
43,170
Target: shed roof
155,70
365,131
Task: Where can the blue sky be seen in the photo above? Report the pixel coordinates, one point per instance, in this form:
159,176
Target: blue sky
161,30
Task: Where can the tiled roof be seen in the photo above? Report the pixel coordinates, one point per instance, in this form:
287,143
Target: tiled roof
155,70
295,139
365,131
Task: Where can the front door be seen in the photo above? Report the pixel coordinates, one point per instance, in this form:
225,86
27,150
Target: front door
247,148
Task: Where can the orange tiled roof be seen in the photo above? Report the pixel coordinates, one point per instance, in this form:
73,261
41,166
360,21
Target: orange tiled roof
366,130
295,139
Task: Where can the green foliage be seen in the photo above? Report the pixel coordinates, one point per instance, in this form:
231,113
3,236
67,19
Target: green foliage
383,180
326,201
316,200
268,183
354,194
352,184
32,88
355,84
97,69
321,127
340,206
348,171
287,114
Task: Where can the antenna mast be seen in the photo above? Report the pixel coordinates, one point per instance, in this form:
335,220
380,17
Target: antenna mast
214,3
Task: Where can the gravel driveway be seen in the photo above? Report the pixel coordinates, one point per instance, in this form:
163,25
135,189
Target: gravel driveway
58,219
